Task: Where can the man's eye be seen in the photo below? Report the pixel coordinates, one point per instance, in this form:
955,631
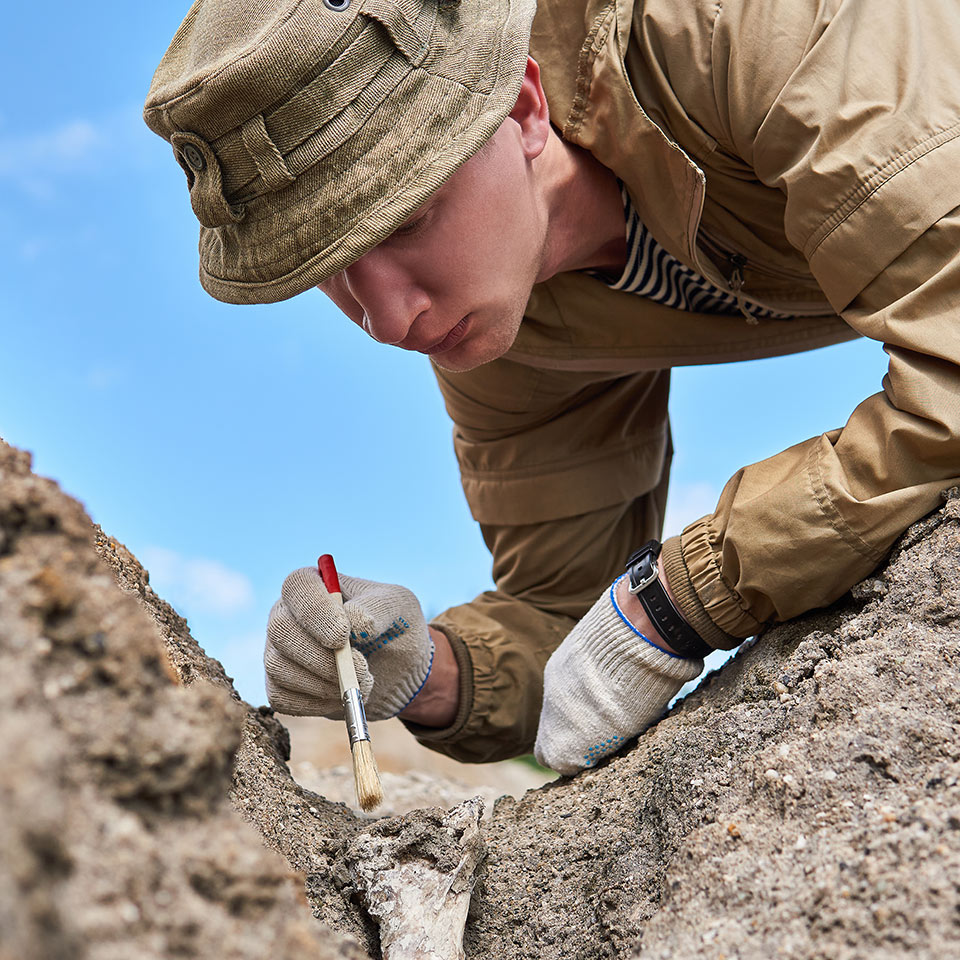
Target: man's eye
411,227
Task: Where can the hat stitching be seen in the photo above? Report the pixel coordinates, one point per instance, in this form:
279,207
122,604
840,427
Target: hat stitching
335,134
182,100
266,156
357,56
465,123
311,149
403,34
300,149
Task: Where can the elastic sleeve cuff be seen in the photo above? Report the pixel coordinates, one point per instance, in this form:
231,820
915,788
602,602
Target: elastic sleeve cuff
465,708
678,573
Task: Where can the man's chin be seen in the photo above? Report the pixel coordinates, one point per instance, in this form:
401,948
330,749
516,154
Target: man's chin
458,364
474,351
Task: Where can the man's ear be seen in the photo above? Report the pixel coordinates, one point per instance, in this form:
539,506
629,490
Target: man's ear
531,112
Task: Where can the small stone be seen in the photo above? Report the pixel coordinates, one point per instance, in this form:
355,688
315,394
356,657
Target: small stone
801,843
771,774
779,687
129,912
733,829
829,775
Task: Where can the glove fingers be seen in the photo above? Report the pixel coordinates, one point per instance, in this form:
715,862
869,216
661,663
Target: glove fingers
293,680
306,600
577,729
297,646
297,704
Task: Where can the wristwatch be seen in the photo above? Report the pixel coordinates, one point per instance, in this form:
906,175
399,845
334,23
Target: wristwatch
646,586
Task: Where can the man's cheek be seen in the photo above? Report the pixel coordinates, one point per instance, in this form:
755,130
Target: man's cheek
336,289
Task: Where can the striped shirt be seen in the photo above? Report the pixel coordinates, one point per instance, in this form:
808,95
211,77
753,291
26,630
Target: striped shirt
652,272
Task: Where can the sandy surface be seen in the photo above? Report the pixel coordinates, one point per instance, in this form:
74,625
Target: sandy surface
412,775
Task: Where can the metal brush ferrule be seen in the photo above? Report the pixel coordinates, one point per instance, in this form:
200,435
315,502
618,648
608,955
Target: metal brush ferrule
355,716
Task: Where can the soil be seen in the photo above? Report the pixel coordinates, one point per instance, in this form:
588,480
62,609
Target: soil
803,802
118,838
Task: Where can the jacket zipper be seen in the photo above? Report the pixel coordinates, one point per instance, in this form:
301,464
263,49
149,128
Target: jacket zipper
737,263
733,274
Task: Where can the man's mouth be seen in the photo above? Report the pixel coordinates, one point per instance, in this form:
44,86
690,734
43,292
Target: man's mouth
450,340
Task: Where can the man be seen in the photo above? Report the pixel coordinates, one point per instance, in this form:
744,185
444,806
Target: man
658,183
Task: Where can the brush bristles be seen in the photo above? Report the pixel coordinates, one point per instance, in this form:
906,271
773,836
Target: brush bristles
366,776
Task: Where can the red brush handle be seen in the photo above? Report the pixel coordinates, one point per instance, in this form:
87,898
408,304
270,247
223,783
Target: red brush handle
328,573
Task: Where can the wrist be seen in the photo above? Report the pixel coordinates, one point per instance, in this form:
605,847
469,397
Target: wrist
645,571
633,610
438,700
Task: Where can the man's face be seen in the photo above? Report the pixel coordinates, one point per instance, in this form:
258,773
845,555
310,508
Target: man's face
453,281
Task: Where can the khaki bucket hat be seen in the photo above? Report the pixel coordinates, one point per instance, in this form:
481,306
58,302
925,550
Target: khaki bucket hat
309,130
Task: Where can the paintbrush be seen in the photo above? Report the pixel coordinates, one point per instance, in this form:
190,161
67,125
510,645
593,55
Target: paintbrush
366,777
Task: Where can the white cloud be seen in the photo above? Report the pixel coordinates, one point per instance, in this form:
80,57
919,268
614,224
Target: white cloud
197,584
62,146
686,503
36,160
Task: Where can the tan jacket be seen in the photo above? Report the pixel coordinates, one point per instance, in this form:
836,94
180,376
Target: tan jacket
816,138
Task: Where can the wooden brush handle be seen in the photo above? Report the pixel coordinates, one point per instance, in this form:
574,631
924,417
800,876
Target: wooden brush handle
346,672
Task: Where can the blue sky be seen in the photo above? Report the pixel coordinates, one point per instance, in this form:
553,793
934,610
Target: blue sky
193,431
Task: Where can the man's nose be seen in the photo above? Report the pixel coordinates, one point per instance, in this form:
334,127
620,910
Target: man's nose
390,298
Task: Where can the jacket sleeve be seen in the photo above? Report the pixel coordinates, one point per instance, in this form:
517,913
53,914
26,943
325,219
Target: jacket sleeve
850,111
566,473
797,530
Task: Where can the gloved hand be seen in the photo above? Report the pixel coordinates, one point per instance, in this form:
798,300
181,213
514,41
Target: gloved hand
604,684
393,652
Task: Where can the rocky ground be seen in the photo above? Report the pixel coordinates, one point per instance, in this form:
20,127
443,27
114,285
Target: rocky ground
803,803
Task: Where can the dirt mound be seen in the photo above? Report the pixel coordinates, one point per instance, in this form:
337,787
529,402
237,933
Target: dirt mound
118,839
803,803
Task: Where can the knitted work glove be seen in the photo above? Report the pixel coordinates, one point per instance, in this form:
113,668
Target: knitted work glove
393,652
604,684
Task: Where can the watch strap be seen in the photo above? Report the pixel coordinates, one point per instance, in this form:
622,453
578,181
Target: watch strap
645,584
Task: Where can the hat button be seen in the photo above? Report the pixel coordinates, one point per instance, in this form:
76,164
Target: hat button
194,157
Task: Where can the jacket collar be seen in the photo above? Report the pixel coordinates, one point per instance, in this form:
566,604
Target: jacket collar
595,108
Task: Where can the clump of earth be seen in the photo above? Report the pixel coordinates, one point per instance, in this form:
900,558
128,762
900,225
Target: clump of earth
803,802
